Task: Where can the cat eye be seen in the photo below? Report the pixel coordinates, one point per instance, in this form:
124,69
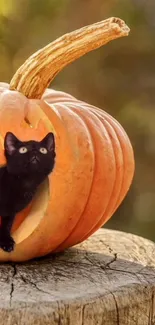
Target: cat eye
43,150
23,150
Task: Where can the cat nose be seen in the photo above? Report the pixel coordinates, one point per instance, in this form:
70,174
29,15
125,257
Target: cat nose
34,158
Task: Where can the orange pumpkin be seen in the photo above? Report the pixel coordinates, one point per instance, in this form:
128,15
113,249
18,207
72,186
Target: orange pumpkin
94,158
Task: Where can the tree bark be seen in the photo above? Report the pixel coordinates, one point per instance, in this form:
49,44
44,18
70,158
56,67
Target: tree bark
107,280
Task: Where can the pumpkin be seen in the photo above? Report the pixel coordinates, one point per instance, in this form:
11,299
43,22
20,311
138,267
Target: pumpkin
94,157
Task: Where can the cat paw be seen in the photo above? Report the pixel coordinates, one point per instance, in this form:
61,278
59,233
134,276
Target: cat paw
7,244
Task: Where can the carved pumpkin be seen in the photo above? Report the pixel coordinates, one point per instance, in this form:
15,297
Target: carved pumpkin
94,158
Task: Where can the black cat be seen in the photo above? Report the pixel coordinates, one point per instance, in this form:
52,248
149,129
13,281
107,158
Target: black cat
28,164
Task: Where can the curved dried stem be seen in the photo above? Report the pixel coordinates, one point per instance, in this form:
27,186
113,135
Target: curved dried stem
34,76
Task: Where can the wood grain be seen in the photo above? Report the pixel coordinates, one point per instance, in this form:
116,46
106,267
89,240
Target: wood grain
109,279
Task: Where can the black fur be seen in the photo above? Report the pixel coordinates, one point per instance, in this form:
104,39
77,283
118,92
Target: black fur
28,164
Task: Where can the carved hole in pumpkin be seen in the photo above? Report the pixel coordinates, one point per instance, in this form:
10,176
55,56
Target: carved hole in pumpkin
38,209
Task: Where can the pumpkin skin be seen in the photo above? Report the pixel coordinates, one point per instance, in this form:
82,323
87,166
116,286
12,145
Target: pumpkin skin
93,172
94,158
113,164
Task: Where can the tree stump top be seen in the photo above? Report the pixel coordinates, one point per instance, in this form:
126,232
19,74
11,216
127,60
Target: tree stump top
107,280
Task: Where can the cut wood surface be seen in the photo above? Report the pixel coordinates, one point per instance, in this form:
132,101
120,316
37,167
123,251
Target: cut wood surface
109,279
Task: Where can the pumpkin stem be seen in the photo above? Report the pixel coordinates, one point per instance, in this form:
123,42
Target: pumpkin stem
35,75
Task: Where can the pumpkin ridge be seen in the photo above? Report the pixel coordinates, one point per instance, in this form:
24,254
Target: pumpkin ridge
59,106
107,214
58,232
108,125
81,220
117,128
126,149
119,199
108,118
105,121
121,134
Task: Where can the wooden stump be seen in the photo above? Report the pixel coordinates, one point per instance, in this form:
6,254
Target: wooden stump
107,280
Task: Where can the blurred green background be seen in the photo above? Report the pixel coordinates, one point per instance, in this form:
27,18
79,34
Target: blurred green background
120,77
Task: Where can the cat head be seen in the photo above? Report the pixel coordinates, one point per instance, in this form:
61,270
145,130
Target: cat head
29,157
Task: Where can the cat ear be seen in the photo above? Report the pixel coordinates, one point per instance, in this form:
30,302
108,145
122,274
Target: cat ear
49,142
10,143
